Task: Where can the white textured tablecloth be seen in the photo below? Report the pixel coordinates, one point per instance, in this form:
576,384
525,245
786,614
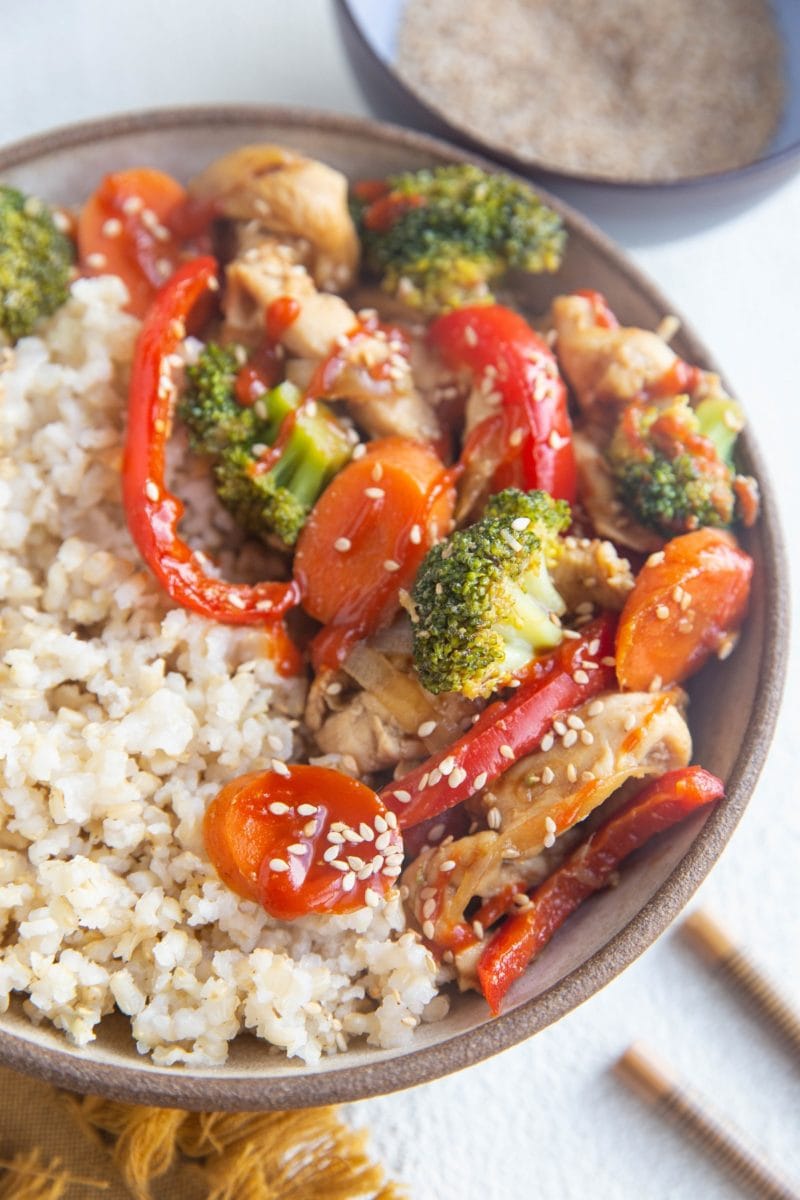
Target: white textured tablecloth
545,1119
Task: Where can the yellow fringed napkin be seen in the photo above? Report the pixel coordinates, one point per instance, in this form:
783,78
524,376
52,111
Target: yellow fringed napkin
55,1145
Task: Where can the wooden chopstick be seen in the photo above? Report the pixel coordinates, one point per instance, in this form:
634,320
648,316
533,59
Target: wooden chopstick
652,1082
706,937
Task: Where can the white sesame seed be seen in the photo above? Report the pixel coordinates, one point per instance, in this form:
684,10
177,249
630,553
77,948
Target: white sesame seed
374,493
366,872
355,863
595,708
278,808
333,689
548,775
384,840
426,729
391,819
457,777
377,862
549,840
339,865
493,818
428,909
560,727
434,777
351,836
572,772
550,825
390,565
278,865
436,834
330,854
629,723
480,781
587,737
477,929
151,490
309,829
580,677
446,765
280,768
470,336
655,684
588,776
428,930
335,838
662,612
349,881
236,600
506,751
380,824
296,848
574,721
366,831
133,204
448,866
415,535
96,261
112,228
307,810
571,634
342,544
515,438
358,451
547,742
403,796
377,473
569,738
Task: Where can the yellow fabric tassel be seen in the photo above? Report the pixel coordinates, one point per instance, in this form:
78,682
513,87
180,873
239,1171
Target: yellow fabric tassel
27,1178
307,1155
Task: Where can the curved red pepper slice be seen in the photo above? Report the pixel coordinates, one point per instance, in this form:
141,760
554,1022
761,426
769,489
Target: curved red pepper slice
661,804
499,346
152,511
507,729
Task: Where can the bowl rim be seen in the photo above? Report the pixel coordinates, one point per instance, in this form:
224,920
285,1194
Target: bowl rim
525,164
189,1088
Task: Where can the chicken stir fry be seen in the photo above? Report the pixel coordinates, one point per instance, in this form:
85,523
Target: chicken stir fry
460,571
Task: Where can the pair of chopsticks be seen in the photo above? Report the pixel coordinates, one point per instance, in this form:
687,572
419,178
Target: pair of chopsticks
653,1082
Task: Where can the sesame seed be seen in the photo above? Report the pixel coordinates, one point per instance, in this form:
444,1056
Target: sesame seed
571,634
236,600
520,523
549,840
335,838
477,929
342,544
629,723
550,825
377,473
511,541
334,688
96,261
574,721
436,834
374,493
448,866
403,796
330,854
493,818
547,775
595,708
588,776
480,781
280,768
309,829
112,228
662,612
366,831
339,865
429,908
580,677
434,777
587,737
351,836
522,901
506,751
569,738
426,729
428,930
349,881
151,490
608,660
515,437
133,204
547,742
307,810
278,865
446,765
391,565
296,848
355,863
391,819
278,808
470,336
415,535
560,727
686,601
572,772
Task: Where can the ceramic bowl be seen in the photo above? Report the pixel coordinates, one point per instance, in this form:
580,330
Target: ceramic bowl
370,32
734,705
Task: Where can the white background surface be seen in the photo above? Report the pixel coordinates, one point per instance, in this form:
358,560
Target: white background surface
545,1119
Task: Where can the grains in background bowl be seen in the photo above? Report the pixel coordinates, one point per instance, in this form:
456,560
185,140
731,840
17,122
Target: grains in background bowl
626,89
120,718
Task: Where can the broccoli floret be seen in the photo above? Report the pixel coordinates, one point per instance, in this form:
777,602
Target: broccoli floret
436,238
279,499
265,498
673,464
483,598
35,263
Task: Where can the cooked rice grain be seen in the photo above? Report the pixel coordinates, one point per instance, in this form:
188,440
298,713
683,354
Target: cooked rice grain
120,717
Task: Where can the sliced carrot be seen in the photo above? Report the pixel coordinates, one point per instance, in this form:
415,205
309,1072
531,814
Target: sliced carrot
688,600
272,835
367,535
125,229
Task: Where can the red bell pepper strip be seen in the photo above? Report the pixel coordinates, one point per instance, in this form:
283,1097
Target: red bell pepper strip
533,424
507,729
661,804
152,511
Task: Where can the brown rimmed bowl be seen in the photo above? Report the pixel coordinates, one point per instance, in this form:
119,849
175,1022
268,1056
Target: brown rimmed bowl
733,711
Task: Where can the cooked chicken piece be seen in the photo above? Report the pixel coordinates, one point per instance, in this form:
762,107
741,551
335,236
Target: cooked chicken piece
368,732
605,364
589,569
598,495
291,197
267,272
634,735
374,375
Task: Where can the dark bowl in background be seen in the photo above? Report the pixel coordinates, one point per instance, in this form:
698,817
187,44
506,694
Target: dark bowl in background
626,209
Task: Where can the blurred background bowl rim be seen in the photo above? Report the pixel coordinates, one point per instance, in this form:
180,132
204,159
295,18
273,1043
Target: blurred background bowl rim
193,1088
526,165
